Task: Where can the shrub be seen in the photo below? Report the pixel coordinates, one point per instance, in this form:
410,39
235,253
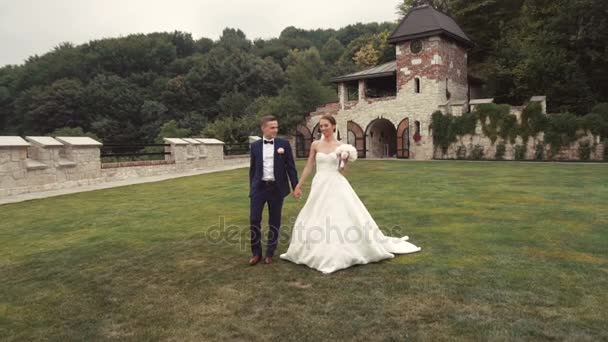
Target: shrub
461,153
477,152
520,152
584,151
539,152
500,151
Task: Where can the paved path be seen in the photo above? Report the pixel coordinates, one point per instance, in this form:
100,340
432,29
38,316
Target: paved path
51,193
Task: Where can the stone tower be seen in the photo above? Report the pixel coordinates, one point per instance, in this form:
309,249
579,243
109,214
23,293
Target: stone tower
431,60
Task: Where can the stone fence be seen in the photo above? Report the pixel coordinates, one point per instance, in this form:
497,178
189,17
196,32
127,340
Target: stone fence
465,148
45,163
479,146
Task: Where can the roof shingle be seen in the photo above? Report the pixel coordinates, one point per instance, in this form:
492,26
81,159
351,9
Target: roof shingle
425,21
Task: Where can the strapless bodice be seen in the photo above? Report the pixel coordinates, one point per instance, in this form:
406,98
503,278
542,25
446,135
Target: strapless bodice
326,162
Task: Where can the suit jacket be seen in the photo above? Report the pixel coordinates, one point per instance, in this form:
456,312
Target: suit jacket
284,167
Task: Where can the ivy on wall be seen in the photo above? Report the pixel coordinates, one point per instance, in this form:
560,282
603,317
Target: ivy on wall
498,122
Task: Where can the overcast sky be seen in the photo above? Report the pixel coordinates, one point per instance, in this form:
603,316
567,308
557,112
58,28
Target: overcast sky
29,27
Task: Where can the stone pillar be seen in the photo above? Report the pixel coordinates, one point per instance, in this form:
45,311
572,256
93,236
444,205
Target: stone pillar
197,150
85,153
542,100
457,107
215,151
342,94
45,150
476,102
45,163
13,154
362,90
179,151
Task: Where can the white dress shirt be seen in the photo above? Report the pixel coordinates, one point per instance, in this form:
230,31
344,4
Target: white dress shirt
268,160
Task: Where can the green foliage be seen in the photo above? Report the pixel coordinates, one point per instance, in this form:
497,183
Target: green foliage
444,133
465,124
539,152
561,131
477,153
406,5
332,51
520,152
461,153
303,91
533,121
496,121
231,129
523,48
501,123
170,129
45,109
124,89
73,132
584,150
500,151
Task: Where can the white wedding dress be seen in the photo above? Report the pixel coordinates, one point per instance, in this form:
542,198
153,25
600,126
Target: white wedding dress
334,230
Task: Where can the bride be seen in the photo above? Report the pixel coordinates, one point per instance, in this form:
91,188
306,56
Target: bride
334,230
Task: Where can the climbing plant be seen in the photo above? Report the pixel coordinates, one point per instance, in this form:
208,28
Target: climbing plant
496,121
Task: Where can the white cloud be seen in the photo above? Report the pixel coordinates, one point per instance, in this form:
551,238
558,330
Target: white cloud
29,27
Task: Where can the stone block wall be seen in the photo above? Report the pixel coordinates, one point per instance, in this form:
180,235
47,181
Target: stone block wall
568,153
36,164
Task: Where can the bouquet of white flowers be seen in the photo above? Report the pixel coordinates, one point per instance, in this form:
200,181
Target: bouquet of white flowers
346,151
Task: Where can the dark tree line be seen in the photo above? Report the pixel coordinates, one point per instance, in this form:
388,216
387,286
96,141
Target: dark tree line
141,87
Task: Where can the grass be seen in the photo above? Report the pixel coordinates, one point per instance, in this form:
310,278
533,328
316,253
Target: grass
509,252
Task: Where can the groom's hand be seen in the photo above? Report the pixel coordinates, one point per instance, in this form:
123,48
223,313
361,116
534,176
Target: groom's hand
297,192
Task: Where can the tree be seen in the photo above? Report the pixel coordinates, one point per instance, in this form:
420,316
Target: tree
170,129
367,56
406,5
303,91
115,107
231,129
331,51
73,132
48,108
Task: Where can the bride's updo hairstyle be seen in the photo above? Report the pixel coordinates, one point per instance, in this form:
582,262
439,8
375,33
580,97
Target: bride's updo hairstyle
329,118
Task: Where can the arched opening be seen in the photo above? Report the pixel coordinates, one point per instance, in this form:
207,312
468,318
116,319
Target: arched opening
316,133
303,141
381,139
356,137
417,85
403,139
417,135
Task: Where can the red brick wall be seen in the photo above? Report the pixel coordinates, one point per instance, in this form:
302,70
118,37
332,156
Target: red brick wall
453,59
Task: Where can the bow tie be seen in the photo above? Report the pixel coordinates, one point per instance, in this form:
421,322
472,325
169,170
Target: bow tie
268,142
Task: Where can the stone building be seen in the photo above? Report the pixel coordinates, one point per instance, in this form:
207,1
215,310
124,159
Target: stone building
385,111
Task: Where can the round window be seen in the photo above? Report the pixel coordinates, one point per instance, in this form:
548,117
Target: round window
416,46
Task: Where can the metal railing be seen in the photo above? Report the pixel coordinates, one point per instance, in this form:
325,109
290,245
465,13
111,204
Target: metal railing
133,152
236,149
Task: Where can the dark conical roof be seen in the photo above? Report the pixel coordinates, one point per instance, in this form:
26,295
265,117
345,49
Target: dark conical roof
425,21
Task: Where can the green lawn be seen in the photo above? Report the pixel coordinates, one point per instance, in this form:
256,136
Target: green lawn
509,252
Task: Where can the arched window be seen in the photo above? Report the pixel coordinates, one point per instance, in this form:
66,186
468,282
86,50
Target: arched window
447,91
417,85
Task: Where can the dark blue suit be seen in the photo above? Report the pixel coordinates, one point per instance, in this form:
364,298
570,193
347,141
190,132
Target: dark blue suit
261,192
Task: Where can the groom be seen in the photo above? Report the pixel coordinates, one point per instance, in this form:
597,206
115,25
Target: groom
271,164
